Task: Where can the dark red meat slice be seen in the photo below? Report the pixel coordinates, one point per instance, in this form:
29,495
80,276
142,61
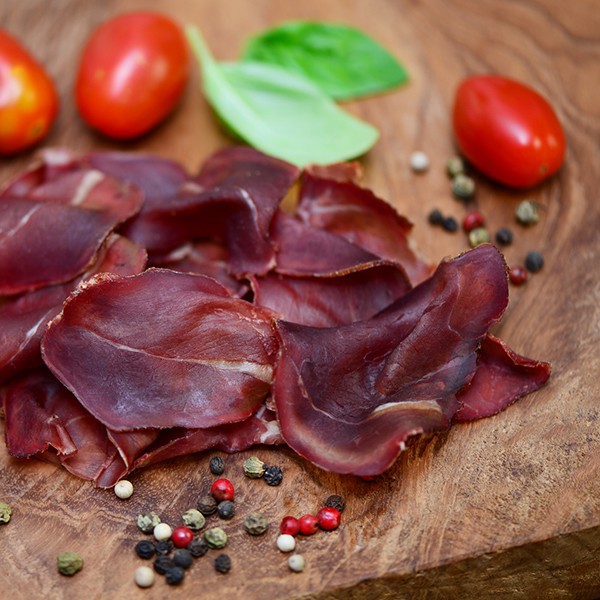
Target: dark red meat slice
162,349
348,398
501,378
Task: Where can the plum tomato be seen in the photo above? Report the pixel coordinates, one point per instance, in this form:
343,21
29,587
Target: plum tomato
507,130
28,98
132,73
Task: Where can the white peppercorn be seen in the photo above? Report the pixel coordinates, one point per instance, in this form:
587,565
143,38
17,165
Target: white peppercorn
162,532
296,563
286,542
123,489
144,577
419,161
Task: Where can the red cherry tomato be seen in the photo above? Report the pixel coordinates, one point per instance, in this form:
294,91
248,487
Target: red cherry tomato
133,72
28,99
507,130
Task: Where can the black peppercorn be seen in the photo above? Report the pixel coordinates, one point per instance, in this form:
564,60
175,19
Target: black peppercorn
162,564
145,549
450,224
335,501
226,509
175,575
216,465
435,217
198,547
207,505
534,261
183,558
222,563
273,475
164,547
504,236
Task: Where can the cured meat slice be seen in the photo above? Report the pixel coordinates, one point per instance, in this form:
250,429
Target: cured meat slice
162,349
501,378
358,215
348,398
23,318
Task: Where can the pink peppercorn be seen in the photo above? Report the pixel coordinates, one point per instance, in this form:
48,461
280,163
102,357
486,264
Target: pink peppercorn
290,525
222,489
329,518
309,524
182,536
473,220
517,275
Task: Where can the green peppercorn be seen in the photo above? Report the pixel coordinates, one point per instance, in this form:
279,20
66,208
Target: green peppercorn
226,509
254,468
215,537
216,465
207,505
148,522
335,501
527,212
69,563
273,475
5,512
198,547
455,166
193,519
222,563
463,187
477,236
256,524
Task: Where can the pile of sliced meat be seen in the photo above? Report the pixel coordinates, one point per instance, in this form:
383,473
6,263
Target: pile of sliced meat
146,313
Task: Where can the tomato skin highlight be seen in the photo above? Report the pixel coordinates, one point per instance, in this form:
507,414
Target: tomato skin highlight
507,130
132,73
28,99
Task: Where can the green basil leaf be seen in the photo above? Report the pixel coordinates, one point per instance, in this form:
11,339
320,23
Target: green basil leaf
280,113
344,62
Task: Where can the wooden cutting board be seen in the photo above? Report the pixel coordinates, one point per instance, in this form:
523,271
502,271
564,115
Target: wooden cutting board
508,506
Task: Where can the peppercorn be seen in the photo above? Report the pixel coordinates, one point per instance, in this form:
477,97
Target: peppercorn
148,522
419,161
286,542
455,166
69,563
144,577
273,475
215,537
517,275
527,212
174,575
296,563
193,519
5,512
222,489
289,525
463,187
335,501
226,509
435,217
162,564
329,518
162,532
309,524
256,524
254,468
216,465
534,261
198,547
207,505
477,236
504,236
450,224
473,220
145,549
183,558
222,563
163,547
123,489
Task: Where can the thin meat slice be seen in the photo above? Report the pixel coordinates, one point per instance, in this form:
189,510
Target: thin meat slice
348,398
502,377
162,349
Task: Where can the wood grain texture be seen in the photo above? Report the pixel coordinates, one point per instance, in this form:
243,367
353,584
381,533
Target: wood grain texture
509,505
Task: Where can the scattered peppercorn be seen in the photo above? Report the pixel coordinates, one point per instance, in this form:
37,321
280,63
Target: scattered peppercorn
226,509
162,532
215,537
254,468
296,563
123,489
419,161
5,512
477,236
450,224
517,275
504,236
435,217
335,501
162,564
473,220
309,524
207,505
455,166
198,547
273,475
163,547
144,577
222,489
145,549
289,525
463,187
183,558
286,542
69,563
182,536
527,212
175,575
148,522
216,465
256,524
222,563
328,518
193,519
534,261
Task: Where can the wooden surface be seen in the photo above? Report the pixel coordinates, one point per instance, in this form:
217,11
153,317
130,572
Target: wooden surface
509,505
